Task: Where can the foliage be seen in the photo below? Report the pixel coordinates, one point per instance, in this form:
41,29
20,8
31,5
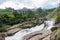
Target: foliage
58,20
58,31
55,13
58,34
2,27
10,16
41,12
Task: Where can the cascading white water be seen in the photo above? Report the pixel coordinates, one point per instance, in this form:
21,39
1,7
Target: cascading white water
19,35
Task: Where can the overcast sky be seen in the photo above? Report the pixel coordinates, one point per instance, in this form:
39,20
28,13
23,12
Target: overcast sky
18,4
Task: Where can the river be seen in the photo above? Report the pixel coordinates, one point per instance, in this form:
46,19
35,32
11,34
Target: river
19,35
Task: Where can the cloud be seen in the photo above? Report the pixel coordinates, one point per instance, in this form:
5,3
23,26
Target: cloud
18,4
1,1
52,4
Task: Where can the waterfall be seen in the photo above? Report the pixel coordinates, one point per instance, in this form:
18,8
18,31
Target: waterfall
19,35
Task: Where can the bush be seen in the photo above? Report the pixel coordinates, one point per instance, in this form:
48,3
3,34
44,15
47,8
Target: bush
3,28
58,20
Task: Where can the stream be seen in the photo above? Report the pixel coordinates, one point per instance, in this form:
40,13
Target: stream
19,35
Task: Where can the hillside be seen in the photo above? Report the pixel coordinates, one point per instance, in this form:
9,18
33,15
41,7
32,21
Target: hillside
55,13
8,12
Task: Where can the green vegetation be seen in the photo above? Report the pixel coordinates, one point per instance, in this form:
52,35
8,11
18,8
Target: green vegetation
58,20
2,27
10,16
55,13
58,31
5,11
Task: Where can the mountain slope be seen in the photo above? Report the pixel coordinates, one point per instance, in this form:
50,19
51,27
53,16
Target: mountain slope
55,13
8,12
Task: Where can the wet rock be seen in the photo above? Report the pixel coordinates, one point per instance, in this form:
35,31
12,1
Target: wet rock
2,35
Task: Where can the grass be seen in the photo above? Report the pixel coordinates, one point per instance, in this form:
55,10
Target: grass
8,12
58,33
55,13
58,30
54,31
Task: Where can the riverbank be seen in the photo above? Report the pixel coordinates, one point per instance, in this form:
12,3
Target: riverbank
19,35
28,24
13,31
24,25
38,35
55,30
